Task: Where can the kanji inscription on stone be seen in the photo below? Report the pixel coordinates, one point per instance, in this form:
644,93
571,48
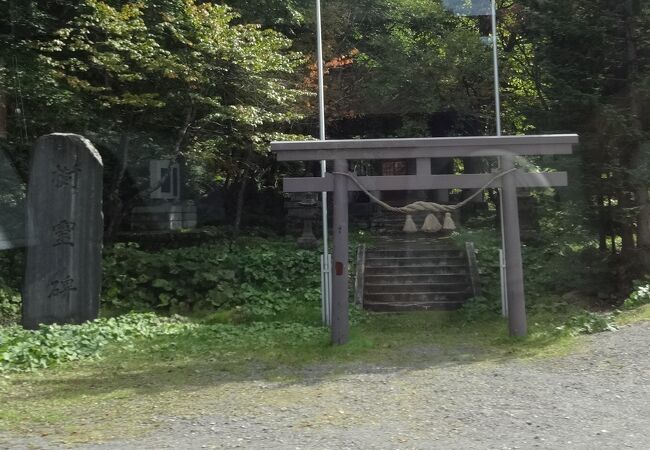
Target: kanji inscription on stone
61,287
64,176
64,232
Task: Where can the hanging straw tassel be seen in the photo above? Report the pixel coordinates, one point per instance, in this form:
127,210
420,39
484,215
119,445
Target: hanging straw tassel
431,224
409,225
448,224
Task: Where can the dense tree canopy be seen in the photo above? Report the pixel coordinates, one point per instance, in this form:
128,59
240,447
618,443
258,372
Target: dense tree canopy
211,82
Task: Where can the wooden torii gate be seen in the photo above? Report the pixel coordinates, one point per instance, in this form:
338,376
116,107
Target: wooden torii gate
422,150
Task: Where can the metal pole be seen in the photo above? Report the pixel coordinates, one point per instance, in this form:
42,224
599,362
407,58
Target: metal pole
495,58
510,237
326,275
340,326
497,102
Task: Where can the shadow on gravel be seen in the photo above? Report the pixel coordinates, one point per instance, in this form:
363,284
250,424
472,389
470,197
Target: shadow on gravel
191,375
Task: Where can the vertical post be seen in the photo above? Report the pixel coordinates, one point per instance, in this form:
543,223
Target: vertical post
326,271
495,61
502,271
423,166
321,72
514,270
340,326
505,229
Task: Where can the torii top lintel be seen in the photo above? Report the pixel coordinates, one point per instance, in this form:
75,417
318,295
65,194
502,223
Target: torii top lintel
458,147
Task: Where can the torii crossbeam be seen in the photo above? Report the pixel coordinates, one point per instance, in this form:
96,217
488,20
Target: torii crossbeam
422,150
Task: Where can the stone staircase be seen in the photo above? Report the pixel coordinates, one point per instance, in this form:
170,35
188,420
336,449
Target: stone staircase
416,273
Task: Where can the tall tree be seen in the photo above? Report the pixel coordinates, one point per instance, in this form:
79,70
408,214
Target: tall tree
594,66
174,64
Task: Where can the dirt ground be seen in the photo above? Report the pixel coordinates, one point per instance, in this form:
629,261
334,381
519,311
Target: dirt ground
596,398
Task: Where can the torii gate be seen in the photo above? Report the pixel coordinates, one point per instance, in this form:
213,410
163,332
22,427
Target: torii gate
422,150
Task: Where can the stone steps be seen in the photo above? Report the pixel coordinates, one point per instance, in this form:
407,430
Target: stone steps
411,274
409,287
426,278
372,261
416,253
415,306
394,270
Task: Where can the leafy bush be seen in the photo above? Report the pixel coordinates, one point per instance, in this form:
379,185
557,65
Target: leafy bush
24,350
553,266
480,308
11,269
587,323
487,244
640,296
260,276
12,265
10,303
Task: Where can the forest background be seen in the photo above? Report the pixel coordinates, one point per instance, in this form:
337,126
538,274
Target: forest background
211,83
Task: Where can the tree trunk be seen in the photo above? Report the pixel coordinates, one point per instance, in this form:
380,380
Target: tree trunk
643,227
241,196
116,206
3,107
626,227
602,228
640,187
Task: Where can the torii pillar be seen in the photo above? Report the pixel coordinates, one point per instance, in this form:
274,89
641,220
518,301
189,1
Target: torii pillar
340,276
512,244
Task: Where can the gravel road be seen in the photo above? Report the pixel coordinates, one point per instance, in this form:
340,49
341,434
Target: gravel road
598,398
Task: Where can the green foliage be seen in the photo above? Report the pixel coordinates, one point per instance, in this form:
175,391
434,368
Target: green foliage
260,277
415,58
559,261
487,245
587,323
11,266
480,309
24,350
10,304
134,57
640,295
151,80
591,73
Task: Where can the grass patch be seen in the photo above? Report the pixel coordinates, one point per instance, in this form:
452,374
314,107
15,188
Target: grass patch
640,314
182,367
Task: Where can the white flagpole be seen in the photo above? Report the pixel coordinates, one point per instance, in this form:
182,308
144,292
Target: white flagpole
326,295
495,57
497,102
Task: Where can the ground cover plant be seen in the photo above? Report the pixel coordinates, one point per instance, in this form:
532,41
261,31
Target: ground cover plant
257,276
10,281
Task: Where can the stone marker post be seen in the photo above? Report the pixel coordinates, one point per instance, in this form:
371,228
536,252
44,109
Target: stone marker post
64,232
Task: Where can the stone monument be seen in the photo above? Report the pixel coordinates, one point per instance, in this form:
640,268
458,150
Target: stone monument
64,232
